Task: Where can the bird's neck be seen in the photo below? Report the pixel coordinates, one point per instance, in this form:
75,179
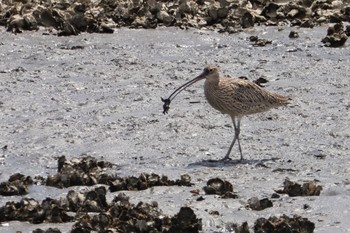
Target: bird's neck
210,86
212,81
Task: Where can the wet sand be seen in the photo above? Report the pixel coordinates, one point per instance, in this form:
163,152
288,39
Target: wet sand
99,95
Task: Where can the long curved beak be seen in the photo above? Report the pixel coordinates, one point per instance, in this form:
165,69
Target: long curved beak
184,86
179,89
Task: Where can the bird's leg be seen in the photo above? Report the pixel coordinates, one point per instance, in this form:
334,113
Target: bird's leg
237,131
237,127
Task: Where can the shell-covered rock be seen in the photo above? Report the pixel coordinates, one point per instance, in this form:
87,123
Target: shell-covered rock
71,18
16,185
336,36
30,210
90,201
219,187
255,203
284,223
88,171
294,189
78,171
123,216
50,230
145,181
119,215
185,221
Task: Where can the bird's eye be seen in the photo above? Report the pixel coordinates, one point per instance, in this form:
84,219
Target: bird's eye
211,70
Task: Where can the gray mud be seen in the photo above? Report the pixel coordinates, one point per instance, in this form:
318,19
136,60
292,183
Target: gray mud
99,95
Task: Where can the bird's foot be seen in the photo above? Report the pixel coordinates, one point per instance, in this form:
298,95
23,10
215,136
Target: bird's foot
224,159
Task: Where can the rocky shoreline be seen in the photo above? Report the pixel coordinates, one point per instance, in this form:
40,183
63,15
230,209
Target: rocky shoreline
91,211
66,18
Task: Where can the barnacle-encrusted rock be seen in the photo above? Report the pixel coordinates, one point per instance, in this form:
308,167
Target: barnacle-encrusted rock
78,171
293,34
259,41
117,216
145,181
270,11
244,228
16,185
296,224
294,189
32,211
336,36
123,216
185,221
72,18
88,171
90,201
17,23
220,187
259,204
50,230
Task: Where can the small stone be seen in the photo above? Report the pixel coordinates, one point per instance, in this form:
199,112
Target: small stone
256,204
218,186
293,34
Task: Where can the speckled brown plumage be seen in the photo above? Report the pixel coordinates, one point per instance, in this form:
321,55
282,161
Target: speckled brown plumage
233,96
237,97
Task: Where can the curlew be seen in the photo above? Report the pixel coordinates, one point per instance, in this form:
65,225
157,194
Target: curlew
233,96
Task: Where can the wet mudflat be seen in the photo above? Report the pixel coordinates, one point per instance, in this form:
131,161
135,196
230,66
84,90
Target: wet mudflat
99,95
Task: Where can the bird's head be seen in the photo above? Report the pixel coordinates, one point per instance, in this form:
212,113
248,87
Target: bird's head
210,73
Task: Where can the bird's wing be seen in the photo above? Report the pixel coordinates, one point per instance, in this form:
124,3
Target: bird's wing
247,97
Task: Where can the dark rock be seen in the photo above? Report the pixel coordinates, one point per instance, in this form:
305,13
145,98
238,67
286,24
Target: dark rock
16,185
50,230
78,171
118,216
294,189
261,81
308,23
259,41
145,181
247,20
256,204
72,18
17,23
122,216
90,201
185,221
293,34
336,36
165,18
296,224
219,187
244,228
214,212
270,10
347,30
32,211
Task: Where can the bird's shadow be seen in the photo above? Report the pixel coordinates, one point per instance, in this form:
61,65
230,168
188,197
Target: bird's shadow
230,163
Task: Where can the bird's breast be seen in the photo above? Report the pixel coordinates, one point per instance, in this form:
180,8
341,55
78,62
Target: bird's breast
219,97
